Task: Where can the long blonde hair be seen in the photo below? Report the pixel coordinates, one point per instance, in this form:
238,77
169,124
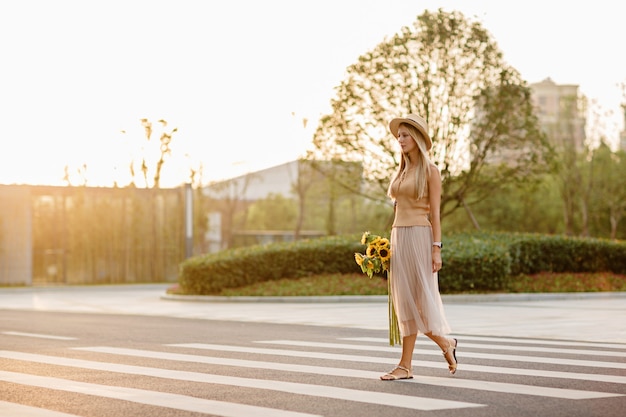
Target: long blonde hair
423,165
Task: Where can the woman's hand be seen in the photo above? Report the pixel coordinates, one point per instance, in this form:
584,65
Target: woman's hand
437,263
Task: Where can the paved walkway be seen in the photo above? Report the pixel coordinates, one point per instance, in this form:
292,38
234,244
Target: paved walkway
599,317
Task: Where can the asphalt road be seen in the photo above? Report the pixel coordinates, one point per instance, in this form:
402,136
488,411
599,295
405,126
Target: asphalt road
56,364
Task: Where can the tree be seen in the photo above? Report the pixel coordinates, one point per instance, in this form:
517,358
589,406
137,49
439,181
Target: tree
164,149
150,155
306,177
608,189
568,165
450,71
274,212
228,198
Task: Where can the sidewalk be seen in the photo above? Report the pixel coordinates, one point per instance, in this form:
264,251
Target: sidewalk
593,317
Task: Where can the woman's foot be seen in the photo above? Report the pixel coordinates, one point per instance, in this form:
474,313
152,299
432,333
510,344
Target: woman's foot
450,355
399,372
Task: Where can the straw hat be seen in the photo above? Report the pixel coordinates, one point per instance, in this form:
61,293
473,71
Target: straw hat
416,121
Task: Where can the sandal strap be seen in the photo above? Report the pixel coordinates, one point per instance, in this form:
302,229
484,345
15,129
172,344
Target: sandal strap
445,352
450,347
402,368
408,371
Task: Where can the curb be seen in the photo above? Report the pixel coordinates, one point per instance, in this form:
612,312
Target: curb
289,299
447,298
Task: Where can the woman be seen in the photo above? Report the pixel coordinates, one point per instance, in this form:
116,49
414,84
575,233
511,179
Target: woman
416,247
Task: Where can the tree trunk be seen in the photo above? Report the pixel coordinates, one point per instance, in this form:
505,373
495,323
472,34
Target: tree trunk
470,215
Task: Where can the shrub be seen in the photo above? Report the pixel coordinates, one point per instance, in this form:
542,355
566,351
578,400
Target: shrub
475,262
478,262
545,253
208,274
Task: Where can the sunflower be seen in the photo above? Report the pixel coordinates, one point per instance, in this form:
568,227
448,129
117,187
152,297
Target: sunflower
358,258
383,242
377,254
376,260
384,254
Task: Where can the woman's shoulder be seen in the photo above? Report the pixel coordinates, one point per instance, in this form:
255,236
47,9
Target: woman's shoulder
433,168
433,172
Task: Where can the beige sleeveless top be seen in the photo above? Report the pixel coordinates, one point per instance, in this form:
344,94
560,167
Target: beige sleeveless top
409,210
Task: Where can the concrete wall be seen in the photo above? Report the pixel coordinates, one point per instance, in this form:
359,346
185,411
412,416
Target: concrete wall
15,235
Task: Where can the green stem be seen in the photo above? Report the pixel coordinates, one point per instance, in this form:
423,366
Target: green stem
394,330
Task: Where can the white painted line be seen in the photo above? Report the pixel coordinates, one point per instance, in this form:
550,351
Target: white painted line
489,356
40,336
429,343
369,397
343,372
520,341
154,398
18,410
393,361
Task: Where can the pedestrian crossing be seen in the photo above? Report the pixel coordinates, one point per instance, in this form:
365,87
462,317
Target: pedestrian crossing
343,370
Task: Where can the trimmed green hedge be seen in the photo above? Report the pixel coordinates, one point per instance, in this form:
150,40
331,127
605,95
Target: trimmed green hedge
208,274
471,262
475,262
541,253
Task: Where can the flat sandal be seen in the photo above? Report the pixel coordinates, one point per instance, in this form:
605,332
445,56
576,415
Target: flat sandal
389,376
451,366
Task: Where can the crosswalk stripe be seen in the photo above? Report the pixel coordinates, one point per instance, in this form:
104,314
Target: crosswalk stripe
160,399
343,372
540,349
40,336
392,361
371,397
516,348
518,341
489,356
18,410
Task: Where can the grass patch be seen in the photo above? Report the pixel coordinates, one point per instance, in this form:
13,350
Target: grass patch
569,282
319,285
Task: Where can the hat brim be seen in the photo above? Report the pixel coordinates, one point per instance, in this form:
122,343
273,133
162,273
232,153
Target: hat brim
395,124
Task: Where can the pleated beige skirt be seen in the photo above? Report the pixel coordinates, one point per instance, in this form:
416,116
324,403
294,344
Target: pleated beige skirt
413,285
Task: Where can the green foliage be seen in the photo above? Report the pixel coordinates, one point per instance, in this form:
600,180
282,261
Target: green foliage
519,208
607,171
569,282
476,262
449,70
315,285
543,253
274,212
238,267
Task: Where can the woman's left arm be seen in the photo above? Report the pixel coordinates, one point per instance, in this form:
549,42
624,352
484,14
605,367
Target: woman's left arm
434,193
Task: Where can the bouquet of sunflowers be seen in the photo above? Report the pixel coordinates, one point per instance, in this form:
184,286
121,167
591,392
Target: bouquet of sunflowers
376,256
374,260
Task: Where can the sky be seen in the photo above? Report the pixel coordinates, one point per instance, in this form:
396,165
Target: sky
236,78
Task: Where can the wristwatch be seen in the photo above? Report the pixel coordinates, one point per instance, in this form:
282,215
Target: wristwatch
438,244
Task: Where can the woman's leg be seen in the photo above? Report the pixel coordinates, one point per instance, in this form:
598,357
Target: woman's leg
408,345
448,346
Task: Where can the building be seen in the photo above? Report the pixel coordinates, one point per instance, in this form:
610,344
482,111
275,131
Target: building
257,185
293,180
237,193
561,113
